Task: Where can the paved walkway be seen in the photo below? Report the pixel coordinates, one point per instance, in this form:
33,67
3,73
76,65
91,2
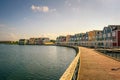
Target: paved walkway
95,66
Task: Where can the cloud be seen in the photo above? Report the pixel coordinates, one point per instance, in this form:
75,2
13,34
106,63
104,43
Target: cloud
42,9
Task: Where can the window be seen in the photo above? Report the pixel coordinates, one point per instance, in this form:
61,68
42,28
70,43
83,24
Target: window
104,35
114,39
108,34
113,33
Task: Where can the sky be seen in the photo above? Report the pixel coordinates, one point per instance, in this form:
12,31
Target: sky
50,18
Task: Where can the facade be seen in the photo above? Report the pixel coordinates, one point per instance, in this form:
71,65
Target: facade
73,40
32,41
61,40
99,39
115,35
78,41
109,37
45,40
68,39
81,39
92,38
38,41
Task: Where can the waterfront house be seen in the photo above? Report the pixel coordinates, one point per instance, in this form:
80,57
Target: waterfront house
86,39
68,39
61,40
45,40
78,38
115,36
71,40
92,40
108,39
111,36
38,41
32,41
107,36
99,39
104,37
81,39
23,41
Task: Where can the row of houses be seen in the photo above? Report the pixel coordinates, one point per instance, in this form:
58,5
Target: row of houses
34,41
109,37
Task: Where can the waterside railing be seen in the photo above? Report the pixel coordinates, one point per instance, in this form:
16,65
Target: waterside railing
71,72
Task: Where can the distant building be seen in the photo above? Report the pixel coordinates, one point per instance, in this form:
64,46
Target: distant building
32,41
45,40
68,39
38,41
61,40
23,41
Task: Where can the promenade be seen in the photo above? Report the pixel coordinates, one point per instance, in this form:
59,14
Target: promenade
95,66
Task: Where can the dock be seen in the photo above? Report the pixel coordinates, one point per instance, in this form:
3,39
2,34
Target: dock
95,66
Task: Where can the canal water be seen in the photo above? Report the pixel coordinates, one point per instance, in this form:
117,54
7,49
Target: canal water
27,62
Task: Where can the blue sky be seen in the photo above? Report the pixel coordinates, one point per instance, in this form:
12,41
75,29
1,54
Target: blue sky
51,18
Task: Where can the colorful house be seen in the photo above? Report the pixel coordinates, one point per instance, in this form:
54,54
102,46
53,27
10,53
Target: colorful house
109,37
32,41
38,41
114,36
72,40
61,40
68,39
99,39
81,39
92,38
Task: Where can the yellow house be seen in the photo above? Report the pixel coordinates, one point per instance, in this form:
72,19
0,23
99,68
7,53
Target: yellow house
92,38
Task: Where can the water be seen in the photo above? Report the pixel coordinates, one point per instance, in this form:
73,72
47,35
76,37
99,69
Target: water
24,62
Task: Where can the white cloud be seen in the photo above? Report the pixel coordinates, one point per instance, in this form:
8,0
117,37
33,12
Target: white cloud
42,9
